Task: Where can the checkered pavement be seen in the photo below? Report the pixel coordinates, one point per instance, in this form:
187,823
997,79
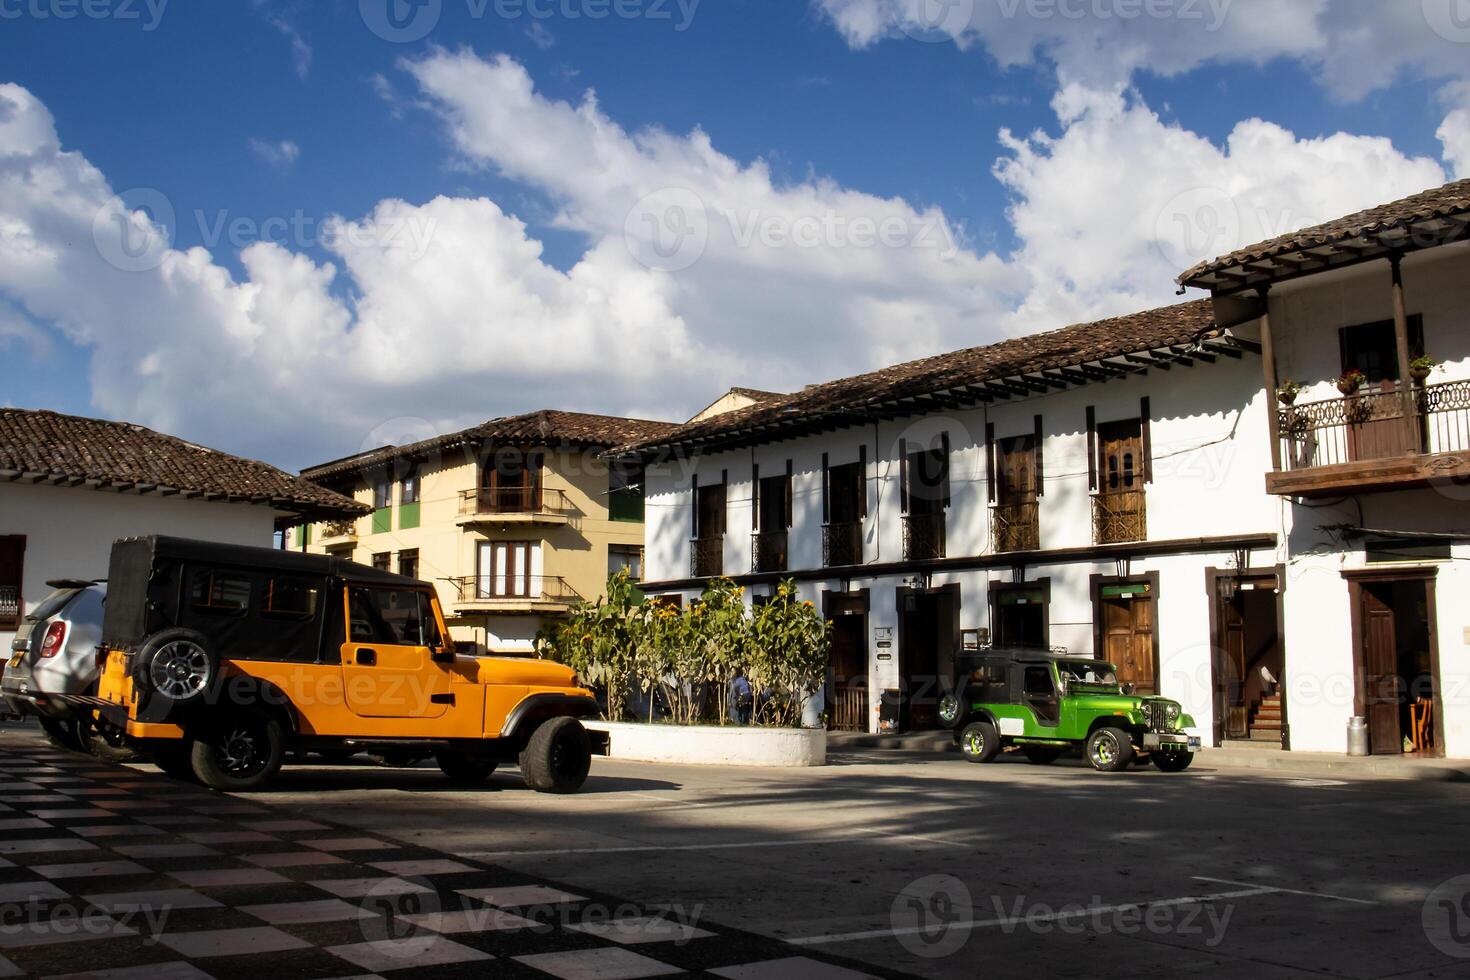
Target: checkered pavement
114,872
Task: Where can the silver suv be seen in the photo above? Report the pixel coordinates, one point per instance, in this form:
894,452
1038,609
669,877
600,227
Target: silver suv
52,671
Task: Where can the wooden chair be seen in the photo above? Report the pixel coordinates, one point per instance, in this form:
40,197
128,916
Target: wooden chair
1421,722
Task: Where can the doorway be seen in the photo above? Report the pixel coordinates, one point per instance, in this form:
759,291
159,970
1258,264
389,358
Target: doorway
1018,614
1123,629
1249,658
847,668
929,633
1397,661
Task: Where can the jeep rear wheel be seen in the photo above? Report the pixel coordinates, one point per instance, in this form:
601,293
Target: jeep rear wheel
979,741
1172,761
463,768
1109,750
1041,755
239,753
558,757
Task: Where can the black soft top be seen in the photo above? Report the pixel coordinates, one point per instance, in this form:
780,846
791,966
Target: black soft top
142,554
1019,653
144,585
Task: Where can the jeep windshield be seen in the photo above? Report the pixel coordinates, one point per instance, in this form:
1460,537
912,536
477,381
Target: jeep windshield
1088,675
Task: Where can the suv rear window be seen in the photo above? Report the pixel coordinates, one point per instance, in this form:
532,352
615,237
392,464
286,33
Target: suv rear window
52,604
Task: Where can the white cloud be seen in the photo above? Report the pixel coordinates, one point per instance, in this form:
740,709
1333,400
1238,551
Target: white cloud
699,270
282,155
1354,47
832,279
301,52
1117,204
453,315
1454,132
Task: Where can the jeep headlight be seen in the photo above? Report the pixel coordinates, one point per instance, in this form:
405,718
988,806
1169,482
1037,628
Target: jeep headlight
1171,716
949,709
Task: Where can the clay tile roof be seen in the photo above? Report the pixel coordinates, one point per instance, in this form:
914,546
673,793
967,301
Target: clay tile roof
547,426
47,447
1417,221
840,402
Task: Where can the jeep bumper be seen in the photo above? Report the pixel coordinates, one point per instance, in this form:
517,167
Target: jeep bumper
1171,741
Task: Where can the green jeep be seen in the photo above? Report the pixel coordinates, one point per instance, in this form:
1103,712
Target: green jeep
1045,703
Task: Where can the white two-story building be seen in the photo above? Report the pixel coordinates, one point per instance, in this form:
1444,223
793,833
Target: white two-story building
1135,489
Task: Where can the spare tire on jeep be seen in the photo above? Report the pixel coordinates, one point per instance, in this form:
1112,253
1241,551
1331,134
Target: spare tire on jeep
175,668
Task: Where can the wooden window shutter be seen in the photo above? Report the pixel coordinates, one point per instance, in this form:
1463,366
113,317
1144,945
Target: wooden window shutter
1092,448
694,520
990,461
903,476
944,470
724,497
863,481
537,460
1148,444
755,496
1040,478
789,474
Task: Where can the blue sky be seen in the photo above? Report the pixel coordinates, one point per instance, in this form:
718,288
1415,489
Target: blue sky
266,116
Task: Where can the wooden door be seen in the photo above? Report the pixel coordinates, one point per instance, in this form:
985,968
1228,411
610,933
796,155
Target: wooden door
1381,686
505,570
849,664
1120,482
1233,666
1016,488
1128,640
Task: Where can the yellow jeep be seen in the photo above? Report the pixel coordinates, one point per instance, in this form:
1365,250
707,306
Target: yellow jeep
221,658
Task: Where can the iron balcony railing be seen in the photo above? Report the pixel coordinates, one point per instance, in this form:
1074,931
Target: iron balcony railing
768,551
707,556
923,536
1370,425
339,529
9,604
842,544
1118,517
518,588
1015,526
514,500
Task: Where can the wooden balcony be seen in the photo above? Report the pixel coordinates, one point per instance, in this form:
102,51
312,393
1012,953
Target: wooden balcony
923,536
1015,526
519,505
1363,443
1119,517
707,557
768,551
842,544
517,594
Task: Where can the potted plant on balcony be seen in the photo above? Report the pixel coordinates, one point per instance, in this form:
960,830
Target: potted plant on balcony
1421,367
1288,391
1350,381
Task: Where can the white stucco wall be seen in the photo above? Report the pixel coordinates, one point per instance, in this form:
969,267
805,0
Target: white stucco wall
69,531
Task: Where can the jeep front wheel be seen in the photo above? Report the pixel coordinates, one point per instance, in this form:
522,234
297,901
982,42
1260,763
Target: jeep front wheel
1172,761
463,768
1109,750
979,741
239,753
558,757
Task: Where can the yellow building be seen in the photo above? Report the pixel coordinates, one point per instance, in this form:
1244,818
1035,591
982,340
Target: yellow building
513,520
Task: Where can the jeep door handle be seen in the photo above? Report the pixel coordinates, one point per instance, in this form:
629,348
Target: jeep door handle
367,658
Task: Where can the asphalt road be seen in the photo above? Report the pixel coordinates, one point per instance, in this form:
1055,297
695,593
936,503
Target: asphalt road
940,868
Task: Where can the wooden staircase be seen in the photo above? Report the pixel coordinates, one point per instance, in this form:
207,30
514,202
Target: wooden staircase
1265,719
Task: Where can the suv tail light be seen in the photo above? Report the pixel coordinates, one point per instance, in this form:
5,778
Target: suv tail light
54,640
